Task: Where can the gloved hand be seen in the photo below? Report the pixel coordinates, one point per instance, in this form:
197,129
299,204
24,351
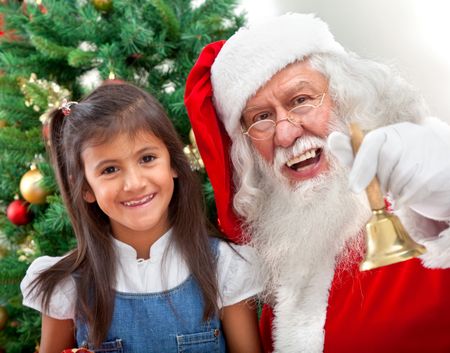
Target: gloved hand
411,161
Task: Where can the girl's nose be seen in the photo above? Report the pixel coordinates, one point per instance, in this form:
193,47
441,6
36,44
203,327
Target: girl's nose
133,180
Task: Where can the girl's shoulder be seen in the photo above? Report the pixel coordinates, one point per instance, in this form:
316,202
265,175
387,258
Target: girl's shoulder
237,267
42,263
62,299
38,266
231,251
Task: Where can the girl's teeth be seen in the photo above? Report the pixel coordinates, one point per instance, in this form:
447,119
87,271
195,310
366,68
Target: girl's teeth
138,202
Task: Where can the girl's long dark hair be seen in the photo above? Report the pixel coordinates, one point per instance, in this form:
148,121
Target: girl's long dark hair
107,111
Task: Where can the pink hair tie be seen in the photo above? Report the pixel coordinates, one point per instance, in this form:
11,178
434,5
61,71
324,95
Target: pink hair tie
65,106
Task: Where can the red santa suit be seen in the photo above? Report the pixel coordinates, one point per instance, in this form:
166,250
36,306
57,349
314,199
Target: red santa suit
403,307
397,308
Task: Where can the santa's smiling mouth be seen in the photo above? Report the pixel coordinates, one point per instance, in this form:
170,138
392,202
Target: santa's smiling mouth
305,159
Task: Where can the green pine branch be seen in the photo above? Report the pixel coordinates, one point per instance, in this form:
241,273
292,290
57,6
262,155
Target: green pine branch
48,48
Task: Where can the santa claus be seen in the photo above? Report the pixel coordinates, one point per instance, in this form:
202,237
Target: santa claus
270,109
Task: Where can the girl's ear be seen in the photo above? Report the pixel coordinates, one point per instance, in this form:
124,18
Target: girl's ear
89,196
174,173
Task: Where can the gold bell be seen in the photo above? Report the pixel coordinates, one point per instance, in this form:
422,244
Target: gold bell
386,239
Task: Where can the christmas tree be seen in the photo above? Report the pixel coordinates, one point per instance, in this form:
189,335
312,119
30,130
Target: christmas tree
56,49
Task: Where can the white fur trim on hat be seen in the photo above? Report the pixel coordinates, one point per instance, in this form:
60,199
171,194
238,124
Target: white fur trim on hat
253,55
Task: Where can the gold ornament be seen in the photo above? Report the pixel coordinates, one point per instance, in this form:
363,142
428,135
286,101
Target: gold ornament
192,153
103,5
30,187
2,123
3,317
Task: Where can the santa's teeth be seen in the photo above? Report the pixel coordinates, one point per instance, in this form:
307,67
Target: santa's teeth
301,158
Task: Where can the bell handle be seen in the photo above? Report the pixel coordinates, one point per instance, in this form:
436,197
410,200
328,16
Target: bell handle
373,190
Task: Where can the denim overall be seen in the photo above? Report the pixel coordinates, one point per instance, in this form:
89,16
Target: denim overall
169,321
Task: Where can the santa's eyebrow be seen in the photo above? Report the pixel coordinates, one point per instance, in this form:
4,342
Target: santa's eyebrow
254,107
301,84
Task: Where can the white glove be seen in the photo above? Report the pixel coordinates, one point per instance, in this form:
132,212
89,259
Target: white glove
411,161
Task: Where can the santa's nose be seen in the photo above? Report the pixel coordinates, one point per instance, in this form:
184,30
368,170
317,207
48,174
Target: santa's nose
287,133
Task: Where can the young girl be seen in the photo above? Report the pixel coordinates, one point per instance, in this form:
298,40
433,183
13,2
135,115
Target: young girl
145,276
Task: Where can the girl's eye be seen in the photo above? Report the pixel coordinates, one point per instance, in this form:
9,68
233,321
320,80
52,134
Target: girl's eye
148,159
109,170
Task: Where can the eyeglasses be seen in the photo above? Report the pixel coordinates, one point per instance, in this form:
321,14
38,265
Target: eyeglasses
265,129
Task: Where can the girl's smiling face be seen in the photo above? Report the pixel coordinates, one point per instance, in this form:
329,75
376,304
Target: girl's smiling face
131,179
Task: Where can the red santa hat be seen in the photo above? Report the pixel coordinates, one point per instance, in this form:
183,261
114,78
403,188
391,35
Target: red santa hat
227,74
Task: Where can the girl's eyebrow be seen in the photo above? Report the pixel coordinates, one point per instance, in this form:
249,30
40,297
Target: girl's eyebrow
147,149
104,163
150,148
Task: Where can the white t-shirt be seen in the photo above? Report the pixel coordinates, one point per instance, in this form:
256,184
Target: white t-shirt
236,275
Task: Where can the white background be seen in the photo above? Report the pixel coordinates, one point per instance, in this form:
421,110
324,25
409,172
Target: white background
413,35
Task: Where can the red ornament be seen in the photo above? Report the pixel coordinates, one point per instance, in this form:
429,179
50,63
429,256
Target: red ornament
18,213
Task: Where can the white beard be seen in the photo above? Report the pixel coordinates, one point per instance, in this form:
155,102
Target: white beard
296,227
299,233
